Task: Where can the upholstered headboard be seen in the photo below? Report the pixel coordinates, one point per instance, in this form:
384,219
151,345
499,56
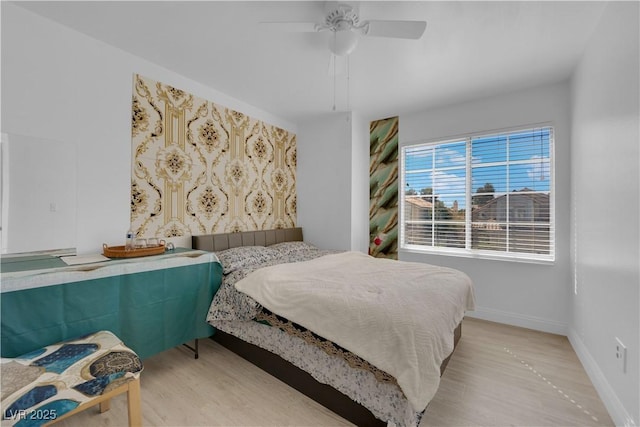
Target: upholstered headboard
220,242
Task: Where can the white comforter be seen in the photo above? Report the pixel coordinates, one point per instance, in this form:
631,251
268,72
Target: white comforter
399,316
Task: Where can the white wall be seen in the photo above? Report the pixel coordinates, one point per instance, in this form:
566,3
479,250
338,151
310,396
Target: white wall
62,85
605,151
324,180
39,194
522,294
333,181
359,183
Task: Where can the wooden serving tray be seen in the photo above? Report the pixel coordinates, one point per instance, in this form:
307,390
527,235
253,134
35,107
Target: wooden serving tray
122,252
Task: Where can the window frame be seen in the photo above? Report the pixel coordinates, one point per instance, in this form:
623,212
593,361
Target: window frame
467,251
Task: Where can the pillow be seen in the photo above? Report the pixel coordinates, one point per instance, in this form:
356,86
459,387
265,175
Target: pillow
244,256
288,249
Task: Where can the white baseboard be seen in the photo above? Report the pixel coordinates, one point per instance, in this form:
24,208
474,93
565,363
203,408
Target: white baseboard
616,409
516,319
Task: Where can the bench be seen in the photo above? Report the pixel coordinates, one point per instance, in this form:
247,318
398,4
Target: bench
57,381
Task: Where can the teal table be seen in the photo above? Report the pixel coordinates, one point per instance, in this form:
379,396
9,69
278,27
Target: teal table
151,303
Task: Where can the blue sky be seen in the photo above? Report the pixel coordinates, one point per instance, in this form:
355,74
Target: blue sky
526,152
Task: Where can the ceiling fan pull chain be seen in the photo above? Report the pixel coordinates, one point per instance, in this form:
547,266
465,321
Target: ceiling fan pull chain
334,79
348,85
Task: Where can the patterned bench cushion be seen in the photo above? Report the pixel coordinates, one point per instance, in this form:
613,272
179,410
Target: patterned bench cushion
44,384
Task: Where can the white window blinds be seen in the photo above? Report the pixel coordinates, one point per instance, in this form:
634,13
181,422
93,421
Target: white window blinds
485,194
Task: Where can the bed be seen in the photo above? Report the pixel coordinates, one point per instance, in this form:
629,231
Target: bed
278,323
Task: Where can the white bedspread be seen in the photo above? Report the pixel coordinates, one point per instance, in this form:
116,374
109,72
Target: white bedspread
399,316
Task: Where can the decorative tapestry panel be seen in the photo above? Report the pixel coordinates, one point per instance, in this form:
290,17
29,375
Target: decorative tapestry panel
201,168
383,188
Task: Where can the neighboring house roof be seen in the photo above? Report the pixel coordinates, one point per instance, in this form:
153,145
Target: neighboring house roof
538,199
419,201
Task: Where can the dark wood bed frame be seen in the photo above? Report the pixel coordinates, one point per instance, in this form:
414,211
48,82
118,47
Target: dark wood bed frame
271,362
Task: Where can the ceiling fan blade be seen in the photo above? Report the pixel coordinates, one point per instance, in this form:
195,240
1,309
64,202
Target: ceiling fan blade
290,27
396,29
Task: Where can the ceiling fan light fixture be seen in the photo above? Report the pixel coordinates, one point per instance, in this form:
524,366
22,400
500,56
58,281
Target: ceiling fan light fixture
343,42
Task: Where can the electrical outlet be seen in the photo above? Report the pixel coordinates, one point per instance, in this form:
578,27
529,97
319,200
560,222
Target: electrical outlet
621,355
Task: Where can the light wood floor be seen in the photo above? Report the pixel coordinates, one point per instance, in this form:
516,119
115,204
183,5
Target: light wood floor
499,375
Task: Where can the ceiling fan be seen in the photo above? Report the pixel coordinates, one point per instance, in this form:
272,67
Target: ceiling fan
343,21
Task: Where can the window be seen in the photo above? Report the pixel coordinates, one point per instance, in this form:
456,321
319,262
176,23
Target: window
481,195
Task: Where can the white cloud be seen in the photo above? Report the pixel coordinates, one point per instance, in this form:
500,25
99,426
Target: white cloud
539,170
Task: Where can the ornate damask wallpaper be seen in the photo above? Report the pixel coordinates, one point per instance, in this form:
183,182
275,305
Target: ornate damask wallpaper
383,188
201,168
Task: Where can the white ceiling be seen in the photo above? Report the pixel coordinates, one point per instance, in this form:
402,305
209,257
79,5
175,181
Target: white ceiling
469,50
